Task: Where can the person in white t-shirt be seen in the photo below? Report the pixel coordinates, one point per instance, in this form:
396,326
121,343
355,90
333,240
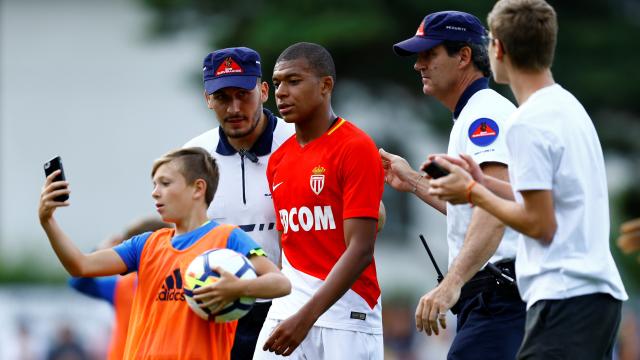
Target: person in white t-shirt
454,66
565,270
242,145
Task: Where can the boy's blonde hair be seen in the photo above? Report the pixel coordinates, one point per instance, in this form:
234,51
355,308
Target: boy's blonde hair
194,163
527,29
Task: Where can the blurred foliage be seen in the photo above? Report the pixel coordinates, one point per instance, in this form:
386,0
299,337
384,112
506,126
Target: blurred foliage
29,271
596,58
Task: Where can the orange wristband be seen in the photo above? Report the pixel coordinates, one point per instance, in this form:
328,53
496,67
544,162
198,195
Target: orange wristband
469,188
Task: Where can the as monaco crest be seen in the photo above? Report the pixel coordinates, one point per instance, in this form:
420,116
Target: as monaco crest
317,179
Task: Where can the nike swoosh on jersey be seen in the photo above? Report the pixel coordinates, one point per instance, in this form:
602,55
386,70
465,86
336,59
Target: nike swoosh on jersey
276,185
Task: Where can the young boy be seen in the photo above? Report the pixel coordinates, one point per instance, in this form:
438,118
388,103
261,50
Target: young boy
162,325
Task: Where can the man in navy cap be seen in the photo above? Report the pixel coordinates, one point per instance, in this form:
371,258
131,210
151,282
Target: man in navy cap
242,144
454,68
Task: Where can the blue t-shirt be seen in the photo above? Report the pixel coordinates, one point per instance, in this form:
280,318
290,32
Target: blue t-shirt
131,250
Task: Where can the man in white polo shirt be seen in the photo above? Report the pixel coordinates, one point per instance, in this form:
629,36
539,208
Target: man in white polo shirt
454,68
242,145
565,270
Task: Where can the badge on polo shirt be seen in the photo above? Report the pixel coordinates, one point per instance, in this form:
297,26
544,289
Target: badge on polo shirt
483,132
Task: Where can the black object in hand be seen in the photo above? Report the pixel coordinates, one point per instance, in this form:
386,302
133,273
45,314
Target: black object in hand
434,170
51,166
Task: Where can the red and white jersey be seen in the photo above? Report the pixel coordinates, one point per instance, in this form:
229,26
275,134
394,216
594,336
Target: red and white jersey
315,188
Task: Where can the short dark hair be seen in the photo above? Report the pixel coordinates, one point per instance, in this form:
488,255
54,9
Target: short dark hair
195,163
317,56
479,54
144,225
527,29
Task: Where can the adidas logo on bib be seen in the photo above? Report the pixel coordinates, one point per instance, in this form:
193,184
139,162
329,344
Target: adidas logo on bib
172,288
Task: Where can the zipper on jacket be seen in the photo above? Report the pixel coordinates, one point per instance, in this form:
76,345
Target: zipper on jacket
244,196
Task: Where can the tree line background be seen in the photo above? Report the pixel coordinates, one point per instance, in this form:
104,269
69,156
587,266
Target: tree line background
596,58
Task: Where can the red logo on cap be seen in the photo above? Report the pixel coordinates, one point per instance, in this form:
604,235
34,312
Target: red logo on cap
229,66
420,31
483,130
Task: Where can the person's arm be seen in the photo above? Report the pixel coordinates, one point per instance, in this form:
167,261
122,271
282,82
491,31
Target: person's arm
269,284
382,217
360,239
98,288
98,263
534,218
400,176
629,240
500,187
481,241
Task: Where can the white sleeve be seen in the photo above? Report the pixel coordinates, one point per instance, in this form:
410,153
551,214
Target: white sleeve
532,153
207,140
485,140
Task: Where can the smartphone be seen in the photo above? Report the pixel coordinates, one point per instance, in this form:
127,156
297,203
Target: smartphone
51,166
434,170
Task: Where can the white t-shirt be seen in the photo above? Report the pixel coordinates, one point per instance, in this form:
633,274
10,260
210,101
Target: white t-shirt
553,146
243,197
479,132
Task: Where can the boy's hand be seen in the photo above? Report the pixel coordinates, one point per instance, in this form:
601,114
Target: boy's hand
50,191
465,161
217,295
453,187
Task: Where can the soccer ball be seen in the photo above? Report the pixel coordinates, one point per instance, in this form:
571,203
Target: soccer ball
200,273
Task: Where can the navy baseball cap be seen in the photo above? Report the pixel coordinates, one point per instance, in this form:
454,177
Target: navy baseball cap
231,67
441,26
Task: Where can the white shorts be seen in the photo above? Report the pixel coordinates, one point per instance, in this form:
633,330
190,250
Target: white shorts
324,343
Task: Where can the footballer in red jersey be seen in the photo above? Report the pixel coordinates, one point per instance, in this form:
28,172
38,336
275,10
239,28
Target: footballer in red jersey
326,183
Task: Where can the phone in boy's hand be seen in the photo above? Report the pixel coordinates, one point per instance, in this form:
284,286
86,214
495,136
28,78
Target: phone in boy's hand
51,166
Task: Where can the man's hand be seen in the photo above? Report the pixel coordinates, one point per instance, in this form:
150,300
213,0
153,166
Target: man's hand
397,171
453,187
288,335
433,306
220,293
